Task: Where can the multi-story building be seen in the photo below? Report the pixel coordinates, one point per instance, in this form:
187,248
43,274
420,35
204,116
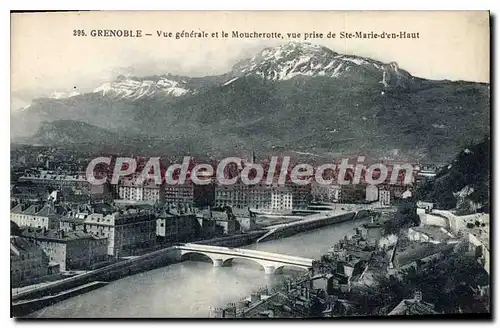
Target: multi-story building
281,199
72,250
204,195
128,232
262,196
77,181
398,190
348,193
27,261
180,193
326,193
226,221
371,193
71,224
172,226
28,191
208,227
129,190
153,192
146,191
217,222
240,195
301,195
245,218
353,193
36,216
384,197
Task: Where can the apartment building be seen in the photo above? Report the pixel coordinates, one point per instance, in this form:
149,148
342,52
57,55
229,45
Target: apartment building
36,215
72,250
128,232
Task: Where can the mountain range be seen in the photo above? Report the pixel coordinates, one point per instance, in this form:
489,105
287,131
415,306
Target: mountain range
294,97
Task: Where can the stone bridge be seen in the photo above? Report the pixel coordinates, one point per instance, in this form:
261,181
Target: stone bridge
223,256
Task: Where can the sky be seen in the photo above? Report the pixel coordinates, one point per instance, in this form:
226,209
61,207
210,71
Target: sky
47,57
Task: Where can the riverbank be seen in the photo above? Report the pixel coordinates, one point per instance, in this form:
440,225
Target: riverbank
23,307
129,266
302,297
312,222
146,262
188,289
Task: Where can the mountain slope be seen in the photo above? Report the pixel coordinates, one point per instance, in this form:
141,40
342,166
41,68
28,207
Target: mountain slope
467,176
64,132
302,59
293,97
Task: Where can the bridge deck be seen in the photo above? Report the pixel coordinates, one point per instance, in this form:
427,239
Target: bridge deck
239,252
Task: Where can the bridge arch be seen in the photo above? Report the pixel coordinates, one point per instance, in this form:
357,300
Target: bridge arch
245,260
223,256
280,268
196,256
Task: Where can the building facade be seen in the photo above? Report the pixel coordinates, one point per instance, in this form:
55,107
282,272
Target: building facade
371,192
180,193
36,216
353,193
301,195
128,232
325,193
74,180
27,261
263,196
71,250
384,197
281,199
148,191
241,196
173,227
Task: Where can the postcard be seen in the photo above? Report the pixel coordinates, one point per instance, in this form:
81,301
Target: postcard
250,164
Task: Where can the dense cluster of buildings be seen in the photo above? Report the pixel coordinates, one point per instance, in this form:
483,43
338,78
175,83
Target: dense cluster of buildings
353,266
81,237
28,261
67,224
74,250
263,196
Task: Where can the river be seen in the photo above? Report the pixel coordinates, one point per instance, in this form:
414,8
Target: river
190,288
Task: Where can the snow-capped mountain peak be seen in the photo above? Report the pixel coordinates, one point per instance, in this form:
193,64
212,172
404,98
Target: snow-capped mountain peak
63,95
304,59
134,88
